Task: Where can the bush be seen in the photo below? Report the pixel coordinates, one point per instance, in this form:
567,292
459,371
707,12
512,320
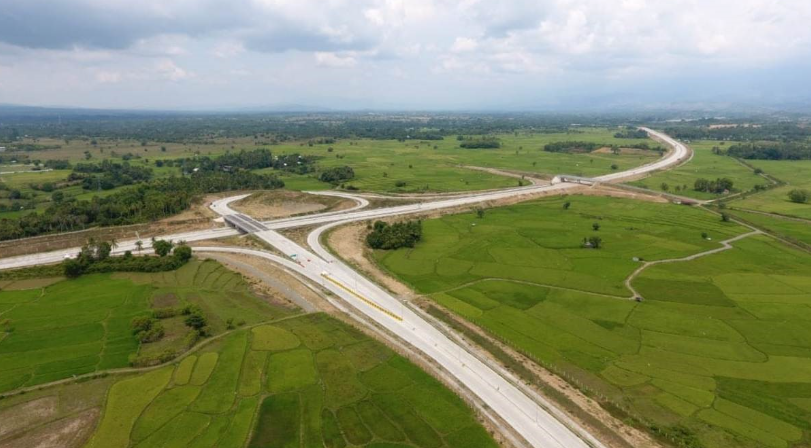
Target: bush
337,175
395,236
182,253
799,196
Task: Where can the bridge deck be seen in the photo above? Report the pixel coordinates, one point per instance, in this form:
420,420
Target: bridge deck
244,223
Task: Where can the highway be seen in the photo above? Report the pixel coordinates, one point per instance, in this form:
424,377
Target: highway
537,421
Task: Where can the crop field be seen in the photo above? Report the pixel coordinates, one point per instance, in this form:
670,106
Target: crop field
705,165
795,173
540,242
324,384
791,228
80,326
437,165
718,352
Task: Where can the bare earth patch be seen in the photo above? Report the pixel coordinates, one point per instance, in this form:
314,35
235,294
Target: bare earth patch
68,432
27,414
266,205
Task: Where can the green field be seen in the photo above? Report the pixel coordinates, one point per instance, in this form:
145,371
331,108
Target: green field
337,388
796,174
720,346
540,242
705,165
379,164
80,326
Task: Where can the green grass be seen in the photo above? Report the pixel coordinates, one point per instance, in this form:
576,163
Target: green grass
795,174
721,345
69,328
124,404
380,164
79,326
540,242
704,165
794,230
298,402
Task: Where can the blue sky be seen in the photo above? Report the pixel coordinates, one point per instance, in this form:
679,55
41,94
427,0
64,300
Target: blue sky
403,54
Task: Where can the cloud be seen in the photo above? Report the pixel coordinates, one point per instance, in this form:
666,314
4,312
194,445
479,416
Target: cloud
334,60
449,48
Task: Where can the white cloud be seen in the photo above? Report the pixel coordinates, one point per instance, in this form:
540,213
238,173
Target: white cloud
167,69
464,44
107,77
334,60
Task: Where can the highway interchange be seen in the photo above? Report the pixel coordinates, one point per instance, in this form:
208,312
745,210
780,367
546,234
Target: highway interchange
534,419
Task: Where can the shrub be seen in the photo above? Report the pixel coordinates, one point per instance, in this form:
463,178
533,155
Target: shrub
182,253
799,196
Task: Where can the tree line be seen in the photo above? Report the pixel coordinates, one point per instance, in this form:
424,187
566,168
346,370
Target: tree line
771,151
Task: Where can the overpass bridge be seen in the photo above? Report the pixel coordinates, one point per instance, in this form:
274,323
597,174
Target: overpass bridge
244,224
571,179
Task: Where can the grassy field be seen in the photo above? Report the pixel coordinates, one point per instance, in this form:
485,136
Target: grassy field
540,242
717,356
437,165
79,326
379,164
792,229
325,385
795,173
705,165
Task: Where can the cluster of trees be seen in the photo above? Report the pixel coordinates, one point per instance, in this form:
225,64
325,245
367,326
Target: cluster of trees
717,186
29,147
337,174
771,151
631,133
485,142
108,175
94,257
394,236
145,202
572,146
147,329
55,164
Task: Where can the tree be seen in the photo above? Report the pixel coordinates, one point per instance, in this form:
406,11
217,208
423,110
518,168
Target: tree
724,217
704,235
182,252
614,166
566,205
162,247
799,196
479,212
596,226
593,242
73,268
665,186
57,196
139,245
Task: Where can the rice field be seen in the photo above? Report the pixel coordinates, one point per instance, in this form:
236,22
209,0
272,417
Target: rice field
718,354
79,326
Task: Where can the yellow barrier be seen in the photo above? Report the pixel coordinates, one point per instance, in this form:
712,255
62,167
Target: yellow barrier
369,302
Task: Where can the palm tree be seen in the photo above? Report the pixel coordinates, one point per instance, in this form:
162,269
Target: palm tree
139,245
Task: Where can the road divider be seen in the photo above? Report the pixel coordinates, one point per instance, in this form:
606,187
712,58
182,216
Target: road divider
364,299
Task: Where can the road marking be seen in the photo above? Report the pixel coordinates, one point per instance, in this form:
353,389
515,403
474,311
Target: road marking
367,301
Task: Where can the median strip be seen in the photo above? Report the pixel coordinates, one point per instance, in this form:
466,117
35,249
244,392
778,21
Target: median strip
367,301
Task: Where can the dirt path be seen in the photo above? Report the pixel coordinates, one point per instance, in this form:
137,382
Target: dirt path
533,178
725,245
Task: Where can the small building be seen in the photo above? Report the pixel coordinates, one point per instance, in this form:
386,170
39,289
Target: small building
2,149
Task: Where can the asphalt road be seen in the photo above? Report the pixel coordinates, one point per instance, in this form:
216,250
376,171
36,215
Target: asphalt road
537,422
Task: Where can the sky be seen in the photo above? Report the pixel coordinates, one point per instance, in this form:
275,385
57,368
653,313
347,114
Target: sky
403,54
